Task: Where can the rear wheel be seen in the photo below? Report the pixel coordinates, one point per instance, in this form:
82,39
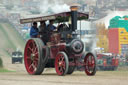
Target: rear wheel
61,63
33,56
90,64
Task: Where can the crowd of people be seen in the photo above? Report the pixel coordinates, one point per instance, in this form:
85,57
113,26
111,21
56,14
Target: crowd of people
43,30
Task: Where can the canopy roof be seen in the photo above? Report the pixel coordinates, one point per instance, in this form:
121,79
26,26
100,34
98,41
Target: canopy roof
60,17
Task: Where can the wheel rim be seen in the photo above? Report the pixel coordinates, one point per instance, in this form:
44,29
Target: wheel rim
90,64
60,64
31,57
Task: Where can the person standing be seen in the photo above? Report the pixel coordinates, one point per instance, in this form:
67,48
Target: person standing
34,32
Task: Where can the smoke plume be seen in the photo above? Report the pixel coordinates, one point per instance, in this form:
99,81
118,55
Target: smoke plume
53,6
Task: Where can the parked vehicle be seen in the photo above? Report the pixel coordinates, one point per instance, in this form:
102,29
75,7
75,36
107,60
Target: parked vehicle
17,57
106,61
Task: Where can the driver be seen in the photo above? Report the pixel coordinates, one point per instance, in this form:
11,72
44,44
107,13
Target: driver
34,32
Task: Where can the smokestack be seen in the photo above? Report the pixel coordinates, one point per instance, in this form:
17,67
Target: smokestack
74,17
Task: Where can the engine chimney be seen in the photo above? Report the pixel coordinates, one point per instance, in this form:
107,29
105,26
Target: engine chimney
74,17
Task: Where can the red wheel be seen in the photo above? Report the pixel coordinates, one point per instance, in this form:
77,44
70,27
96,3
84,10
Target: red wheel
33,57
61,63
90,64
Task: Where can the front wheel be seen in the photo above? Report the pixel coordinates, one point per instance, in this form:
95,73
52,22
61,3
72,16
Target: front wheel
71,68
90,64
61,63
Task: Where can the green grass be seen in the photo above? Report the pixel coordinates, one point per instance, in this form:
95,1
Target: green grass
17,34
2,70
11,44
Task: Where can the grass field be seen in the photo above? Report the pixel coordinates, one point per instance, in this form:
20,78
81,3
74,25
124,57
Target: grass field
10,39
2,70
6,36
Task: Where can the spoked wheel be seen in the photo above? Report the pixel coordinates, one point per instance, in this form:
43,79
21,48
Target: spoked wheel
61,63
71,68
90,64
33,56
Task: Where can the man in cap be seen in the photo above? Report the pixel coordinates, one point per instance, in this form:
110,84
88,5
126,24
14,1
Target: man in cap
34,32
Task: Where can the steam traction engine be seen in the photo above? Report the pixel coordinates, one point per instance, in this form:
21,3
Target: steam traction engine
64,51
